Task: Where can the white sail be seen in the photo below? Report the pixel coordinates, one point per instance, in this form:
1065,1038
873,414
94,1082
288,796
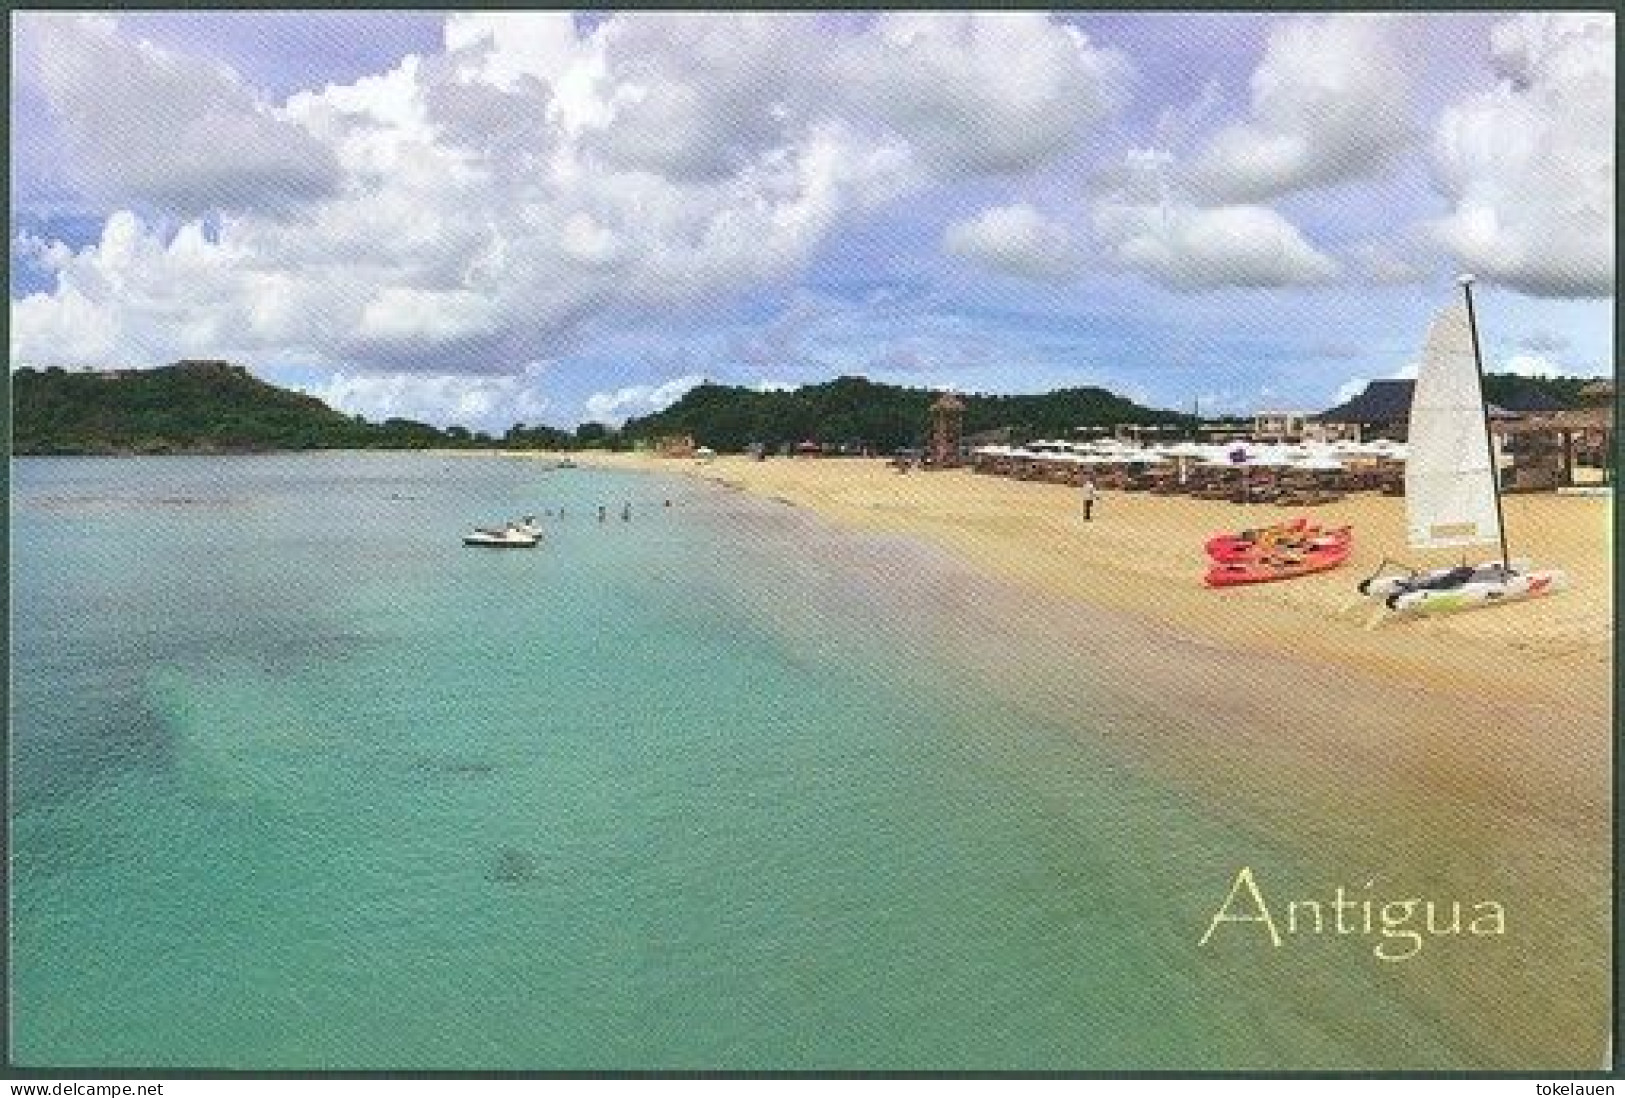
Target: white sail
1450,484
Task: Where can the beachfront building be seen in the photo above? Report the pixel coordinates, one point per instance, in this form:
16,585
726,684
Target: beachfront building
1543,444
674,446
1280,426
1224,429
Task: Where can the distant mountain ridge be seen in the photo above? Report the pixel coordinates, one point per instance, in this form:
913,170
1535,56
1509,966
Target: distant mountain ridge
206,406
210,406
881,416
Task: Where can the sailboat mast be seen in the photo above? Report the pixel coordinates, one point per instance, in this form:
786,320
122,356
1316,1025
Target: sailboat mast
1489,437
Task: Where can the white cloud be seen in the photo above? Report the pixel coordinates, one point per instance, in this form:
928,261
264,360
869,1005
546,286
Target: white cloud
1531,366
1188,247
1330,103
177,134
1350,389
638,400
983,91
1016,240
470,210
1383,264
1195,225
491,404
1529,167
701,98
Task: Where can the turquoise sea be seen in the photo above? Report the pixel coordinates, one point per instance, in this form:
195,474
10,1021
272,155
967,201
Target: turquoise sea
299,782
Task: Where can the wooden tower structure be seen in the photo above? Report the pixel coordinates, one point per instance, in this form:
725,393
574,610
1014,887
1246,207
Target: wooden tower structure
947,429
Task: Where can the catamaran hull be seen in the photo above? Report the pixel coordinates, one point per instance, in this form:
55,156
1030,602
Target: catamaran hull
1380,587
1516,588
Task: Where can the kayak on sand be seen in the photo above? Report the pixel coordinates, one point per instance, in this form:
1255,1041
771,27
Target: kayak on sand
1280,565
1313,537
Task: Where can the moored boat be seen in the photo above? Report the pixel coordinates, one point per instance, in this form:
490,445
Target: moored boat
507,537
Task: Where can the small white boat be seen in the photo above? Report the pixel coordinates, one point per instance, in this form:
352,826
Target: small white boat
508,537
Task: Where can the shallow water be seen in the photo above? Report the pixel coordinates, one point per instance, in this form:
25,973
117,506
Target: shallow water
300,782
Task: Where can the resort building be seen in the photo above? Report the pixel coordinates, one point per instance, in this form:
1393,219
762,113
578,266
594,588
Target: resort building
1543,444
674,446
1280,426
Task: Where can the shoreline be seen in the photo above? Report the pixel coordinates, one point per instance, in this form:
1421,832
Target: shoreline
1143,558
1325,757
1466,756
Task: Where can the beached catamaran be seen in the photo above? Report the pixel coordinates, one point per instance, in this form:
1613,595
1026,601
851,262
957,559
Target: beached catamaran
1452,485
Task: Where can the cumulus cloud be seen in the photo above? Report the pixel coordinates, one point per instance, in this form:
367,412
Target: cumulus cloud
1531,366
471,210
176,134
983,92
1188,247
1016,240
1383,264
638,400
1529,166
1194,224
1329,103
491,404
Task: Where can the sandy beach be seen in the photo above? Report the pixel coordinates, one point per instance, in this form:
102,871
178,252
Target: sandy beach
1142,555
1468,752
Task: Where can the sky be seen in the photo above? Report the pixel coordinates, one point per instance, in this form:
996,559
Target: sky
540,217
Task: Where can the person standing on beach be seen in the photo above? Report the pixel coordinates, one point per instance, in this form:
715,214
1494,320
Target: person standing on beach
1090,494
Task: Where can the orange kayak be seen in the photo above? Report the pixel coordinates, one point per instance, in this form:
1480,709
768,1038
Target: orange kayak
1308,539
1277,566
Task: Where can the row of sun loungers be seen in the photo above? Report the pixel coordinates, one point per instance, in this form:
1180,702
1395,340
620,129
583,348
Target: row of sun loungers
1287,487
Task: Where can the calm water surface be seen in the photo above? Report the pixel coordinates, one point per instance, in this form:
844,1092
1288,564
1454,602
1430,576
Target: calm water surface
300,782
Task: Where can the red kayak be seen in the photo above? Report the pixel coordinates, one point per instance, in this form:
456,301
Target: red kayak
1285,564
1299,541
1248,539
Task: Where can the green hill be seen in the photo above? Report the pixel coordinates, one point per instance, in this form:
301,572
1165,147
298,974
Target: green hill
884,417
190,406
206,407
